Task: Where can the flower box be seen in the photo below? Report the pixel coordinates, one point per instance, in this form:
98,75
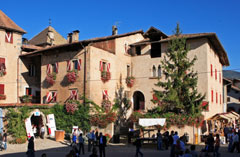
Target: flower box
50,78
2,97
105,76
26,98
72,76
71,107
130,81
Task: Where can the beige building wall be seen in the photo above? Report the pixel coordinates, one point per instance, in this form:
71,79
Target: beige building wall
10,51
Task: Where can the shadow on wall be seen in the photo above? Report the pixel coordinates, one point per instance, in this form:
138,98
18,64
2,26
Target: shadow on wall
64,82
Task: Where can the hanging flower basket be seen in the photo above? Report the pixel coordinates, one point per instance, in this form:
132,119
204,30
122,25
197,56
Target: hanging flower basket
2,97
105,76
26,98
72,76
106,104
50,78
130,81
102,120
71,107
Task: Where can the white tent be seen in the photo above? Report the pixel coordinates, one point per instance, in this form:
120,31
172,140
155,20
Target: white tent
145,122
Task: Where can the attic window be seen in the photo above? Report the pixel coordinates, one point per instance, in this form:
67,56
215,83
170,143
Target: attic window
138,50
155,50
9,37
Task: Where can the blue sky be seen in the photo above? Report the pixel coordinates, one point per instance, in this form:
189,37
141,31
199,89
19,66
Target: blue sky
94,18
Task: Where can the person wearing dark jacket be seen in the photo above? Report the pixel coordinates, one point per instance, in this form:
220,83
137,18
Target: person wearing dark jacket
138,144
102,144
31,150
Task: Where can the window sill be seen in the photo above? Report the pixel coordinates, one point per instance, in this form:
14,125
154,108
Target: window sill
155,77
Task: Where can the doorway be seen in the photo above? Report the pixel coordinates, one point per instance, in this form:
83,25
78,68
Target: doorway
138,100
37,123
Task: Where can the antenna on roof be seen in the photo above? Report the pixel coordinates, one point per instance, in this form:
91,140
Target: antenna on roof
50,21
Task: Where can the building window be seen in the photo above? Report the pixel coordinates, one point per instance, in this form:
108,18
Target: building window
159,71
138,50
2,89
128,70
73,94
2,66
211,70
228,99
51,97
32,70
9,37
54,68
155,50
75,64
54,96
28,91
103,66
105,95
154,71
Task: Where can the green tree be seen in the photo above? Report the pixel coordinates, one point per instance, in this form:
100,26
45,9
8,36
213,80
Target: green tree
180,93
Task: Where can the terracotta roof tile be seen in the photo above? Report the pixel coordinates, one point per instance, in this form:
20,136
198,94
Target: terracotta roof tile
7,23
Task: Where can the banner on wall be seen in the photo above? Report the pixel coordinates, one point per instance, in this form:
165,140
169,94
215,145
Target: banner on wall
28,126
51,125
151,121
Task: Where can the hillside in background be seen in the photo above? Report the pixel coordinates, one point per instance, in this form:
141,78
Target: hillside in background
230,74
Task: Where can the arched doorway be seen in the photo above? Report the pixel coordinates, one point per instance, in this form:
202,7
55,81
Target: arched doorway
138,100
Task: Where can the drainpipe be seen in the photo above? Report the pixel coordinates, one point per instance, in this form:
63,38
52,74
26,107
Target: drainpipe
18,79
84,75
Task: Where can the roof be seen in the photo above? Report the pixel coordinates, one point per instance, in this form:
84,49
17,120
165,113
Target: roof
154,31
213,39
80,43
31,47
42,38
8,24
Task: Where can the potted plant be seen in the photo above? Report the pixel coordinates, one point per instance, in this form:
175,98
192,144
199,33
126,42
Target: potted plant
2,97
105,76
130,81
72,76
26,98
51,77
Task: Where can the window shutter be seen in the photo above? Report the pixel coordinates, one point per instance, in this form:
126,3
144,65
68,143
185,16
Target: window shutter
69,65
216,97
108,67
1,88
9,37
215,74
79,64
2,64
49,97
101,66
212,95
56,64
55,96
48,69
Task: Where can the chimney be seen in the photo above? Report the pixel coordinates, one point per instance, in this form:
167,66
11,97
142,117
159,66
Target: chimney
114,30
75,36
69,38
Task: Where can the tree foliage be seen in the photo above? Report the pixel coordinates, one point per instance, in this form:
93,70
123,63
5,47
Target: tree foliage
180,93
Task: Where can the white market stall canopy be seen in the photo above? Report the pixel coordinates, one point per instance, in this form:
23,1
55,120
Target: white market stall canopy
151,121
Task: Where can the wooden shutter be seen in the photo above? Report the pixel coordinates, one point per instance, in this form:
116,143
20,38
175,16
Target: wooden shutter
56,65
1,88
101,66
108,67
48,68
69,68
79,64
9,37
212,95
49,97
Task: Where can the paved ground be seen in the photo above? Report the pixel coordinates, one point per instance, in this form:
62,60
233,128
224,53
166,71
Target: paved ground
52,149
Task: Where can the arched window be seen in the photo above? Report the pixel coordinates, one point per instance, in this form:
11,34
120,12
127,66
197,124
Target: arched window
159,71
154,71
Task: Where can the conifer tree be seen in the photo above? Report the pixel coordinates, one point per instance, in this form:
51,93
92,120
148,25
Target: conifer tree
179,93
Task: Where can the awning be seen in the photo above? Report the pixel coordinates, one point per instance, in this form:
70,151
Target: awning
151,121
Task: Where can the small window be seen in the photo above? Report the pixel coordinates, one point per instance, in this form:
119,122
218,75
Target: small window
32,70
154,71
211,70
155,50
28,91
73,94
54,68
104,64
128,70
54,96
228,99
2,89
138,50
159,71
212,95
9,37
75,64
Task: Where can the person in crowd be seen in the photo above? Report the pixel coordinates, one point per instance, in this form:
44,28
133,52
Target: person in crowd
34,130
180,147
81,144
159,140
235,142
187,153
31,150
93,138
210,143
74,137
102,144
193,151
175,137
44,155
89,141
217,146
42,132
226,131
94,152
130,135
230,140
138,144
4,139
166,140
96,136
72,153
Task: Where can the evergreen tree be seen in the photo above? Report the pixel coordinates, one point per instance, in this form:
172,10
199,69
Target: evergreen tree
179,93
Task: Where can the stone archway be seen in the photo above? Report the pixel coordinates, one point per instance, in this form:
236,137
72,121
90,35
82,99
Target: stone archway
138,101
38,119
